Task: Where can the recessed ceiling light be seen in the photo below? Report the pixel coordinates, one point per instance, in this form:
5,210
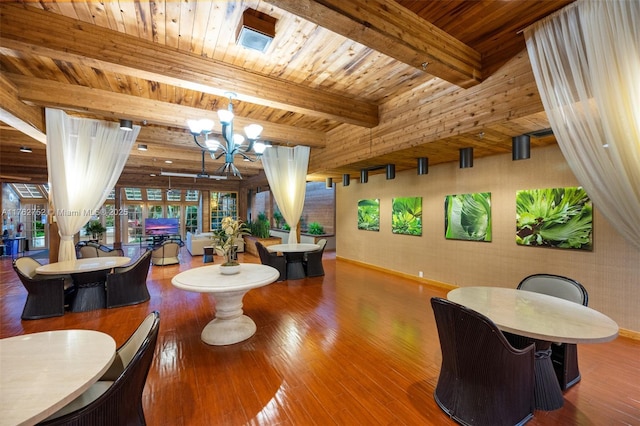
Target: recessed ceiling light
168,161
152,174
25,149
142,147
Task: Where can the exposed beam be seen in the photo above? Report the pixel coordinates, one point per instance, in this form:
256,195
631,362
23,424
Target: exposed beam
25,118
35,31
109,104
389,28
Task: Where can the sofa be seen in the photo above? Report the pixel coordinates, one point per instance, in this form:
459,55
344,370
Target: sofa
196,243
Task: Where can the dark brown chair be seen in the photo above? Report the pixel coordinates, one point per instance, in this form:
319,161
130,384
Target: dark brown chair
116,399
313,260
483,379
564,356
45,295
127,285
273,260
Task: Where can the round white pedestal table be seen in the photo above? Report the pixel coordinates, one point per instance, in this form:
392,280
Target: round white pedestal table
230,325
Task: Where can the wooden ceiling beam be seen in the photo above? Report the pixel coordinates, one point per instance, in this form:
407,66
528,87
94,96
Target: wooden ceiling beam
389,28
114,105
34,31
27,119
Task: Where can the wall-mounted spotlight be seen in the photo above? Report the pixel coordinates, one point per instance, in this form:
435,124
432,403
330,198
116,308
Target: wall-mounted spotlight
521,147
142,147
346,179
26,149
423,165
126,125
364,176
391,171
466,158
329,183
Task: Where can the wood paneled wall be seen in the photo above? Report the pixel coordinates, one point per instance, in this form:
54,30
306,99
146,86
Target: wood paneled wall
611,272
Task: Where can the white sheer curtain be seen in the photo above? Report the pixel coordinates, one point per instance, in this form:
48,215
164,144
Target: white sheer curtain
586,61
286,170
85,158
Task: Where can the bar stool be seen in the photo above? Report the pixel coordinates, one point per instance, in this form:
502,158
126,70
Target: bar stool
207,257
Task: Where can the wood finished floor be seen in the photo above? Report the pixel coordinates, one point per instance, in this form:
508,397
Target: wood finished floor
354,347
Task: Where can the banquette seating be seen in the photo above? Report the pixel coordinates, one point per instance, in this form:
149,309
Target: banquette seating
483,379
116,399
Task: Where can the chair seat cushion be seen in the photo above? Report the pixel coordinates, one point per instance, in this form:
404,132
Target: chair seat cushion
83,400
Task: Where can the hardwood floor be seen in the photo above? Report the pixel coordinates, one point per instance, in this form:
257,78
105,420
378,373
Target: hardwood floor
354,347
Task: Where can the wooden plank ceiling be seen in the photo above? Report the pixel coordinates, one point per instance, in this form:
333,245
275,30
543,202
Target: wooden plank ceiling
332,65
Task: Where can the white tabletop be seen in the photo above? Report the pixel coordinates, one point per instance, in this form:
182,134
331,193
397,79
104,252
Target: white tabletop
208,279
536,315
83,265
42,372
292,248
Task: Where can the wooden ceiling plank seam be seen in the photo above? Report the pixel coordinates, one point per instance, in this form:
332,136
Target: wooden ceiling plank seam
462,68
187,26
168,66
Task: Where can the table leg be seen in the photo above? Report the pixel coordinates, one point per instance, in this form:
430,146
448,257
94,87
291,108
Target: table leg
90,291
295,268
548,395
230,325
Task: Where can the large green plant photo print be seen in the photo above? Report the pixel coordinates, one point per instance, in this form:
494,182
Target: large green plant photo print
406,216
369,214
468,216
554,217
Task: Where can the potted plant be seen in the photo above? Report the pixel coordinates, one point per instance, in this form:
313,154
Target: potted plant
260,231
315,229
277,216
95,229
230,230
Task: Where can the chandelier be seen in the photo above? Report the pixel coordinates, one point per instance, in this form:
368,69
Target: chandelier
233,144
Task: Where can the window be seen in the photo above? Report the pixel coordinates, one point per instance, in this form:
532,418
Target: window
223,204
155,212
192,195
154,194
134,223
174,195
133,194
191,218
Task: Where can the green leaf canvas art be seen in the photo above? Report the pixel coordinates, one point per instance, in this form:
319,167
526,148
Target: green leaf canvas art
468,216
406,215
369,214
554,217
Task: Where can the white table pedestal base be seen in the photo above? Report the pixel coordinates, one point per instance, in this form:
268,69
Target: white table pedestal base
227,332
230,325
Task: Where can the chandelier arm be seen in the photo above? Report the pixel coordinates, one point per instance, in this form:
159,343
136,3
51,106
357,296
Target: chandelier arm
195,139
246,157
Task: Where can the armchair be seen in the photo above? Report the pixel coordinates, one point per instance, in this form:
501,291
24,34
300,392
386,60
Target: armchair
564,356
116,399
45,295
128,285
166,254
273,260
313,260
483,379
